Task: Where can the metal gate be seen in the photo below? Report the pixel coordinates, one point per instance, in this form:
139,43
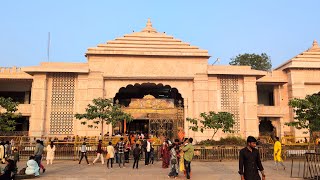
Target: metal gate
166,125
166,118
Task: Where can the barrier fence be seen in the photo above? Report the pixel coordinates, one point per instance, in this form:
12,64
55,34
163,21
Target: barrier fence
69,148
311,166
71,151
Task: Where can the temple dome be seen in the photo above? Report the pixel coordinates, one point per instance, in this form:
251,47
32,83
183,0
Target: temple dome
147,42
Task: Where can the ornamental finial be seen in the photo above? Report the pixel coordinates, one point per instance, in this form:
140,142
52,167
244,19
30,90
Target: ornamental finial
315,44
149,28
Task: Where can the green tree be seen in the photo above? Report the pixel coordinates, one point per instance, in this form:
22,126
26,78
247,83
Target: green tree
256,61
307,113
214,121
103,111
8,114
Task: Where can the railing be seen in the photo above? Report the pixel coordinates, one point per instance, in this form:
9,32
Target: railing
69,149
312,166
301,162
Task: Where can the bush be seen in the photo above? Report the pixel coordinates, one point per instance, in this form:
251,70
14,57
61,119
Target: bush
230,140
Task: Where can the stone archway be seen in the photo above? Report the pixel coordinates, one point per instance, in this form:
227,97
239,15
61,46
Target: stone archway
157,106
138,91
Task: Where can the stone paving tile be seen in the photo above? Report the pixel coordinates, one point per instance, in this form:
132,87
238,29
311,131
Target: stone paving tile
70,170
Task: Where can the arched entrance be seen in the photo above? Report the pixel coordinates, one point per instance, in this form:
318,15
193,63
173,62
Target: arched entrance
157,109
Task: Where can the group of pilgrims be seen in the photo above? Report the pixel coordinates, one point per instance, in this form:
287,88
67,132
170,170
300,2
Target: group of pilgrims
175,155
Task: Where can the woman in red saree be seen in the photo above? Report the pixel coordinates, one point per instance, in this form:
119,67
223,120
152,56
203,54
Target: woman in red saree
165,154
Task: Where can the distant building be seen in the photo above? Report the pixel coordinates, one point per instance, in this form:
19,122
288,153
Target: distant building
161,81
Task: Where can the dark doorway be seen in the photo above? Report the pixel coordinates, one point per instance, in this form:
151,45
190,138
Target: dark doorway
265,94
266,128
138,125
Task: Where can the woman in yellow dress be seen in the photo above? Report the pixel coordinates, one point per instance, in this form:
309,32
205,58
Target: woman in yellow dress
277,154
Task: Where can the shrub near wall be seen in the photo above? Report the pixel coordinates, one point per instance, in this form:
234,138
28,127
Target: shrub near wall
227,149
230,140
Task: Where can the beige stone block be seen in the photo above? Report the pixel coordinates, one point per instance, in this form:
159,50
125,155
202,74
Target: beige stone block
201,95
213,96
82,84
38,95
94,93
95,83
201,85
81,94
250,98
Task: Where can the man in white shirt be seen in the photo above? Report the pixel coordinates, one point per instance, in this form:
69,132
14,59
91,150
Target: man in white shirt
147,153
83,150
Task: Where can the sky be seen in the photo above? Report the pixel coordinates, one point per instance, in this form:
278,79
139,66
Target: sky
226,28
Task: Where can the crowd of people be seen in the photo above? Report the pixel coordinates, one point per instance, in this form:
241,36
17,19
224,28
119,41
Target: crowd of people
176,156
33,165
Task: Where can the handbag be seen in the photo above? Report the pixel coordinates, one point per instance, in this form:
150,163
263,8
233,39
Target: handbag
108,156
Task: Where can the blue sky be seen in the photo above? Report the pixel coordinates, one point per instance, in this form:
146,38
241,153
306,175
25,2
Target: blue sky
226,28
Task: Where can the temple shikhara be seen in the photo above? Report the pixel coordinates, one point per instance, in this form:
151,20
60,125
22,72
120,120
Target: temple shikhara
160,81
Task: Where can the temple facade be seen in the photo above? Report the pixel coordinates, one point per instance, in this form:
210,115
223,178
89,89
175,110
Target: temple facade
160,81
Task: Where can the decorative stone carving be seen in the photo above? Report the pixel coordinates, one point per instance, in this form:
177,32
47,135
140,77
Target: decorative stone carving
62,103
230,98
150,102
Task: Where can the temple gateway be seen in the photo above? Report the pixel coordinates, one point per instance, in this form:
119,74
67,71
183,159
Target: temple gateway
160,81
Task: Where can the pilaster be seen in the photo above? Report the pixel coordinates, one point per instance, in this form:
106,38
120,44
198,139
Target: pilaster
38,101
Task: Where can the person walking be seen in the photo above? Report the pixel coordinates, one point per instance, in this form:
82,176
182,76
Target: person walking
174,170
38,154
151,155
127,151
7,147
143,147
147,153
120,147
51,148
188,150
99,153
84,152
165,154
181,159
250,162
110,154
136,156
277,154
2,153
41,165
16,156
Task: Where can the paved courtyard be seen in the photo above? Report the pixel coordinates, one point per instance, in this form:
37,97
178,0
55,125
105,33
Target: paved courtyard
70,170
